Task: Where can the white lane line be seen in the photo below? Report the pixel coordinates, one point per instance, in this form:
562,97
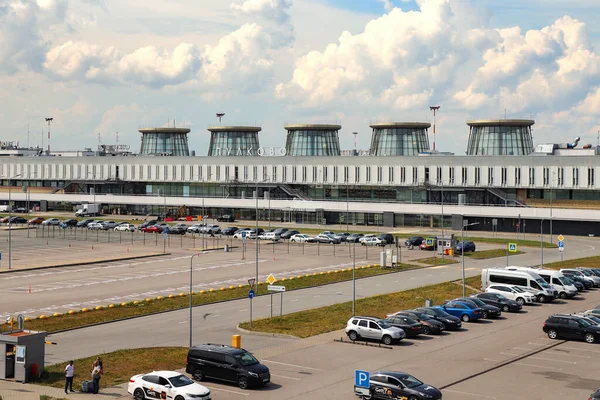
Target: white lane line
244,310
293,300
286,377
557,352
584,350
522,348
510,354
470,394
293,365
536,366
489,359
536,344
228,391
379,284
551,359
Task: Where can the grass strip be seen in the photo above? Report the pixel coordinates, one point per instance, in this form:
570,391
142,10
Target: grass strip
330,318
118,366
44,397
493,253
436,260
114,312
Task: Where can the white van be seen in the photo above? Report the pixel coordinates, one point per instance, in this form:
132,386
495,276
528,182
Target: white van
555,279
526,280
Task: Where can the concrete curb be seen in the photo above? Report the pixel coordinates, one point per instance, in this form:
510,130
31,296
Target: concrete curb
280,335
84,263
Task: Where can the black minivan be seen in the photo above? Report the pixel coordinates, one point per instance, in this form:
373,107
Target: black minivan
226,363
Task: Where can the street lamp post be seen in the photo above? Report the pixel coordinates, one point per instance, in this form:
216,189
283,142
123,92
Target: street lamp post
354,279
462,250
256,233
9,222
542,243
191,287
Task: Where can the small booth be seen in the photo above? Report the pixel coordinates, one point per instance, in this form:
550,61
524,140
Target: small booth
446,244
22,353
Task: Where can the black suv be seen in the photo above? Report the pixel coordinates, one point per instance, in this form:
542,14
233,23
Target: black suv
388,237
497,300
226,218
571,327
414,241
226,363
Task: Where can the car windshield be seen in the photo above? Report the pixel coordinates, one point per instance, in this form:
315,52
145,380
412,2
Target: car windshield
383,324
518,289
477,301
593,318
439,312
587,273
564,281
410,381
246,358
584,322
543,283
180,380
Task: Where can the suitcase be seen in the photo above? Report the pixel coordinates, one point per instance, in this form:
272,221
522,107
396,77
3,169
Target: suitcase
87,387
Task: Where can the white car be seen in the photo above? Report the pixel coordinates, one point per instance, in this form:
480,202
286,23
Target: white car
196,228
238,234
595,312
269,236
95,226
52,221
166,385
373,241
125,227
370,235
300,238
512,292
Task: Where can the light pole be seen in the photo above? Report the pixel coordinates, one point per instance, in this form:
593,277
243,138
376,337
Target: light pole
347,207
542,242
256,233
462,250
354,279
94,178
191,287
551,195
49,121
9,222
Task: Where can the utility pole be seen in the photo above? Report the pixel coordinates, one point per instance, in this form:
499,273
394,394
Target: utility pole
49,121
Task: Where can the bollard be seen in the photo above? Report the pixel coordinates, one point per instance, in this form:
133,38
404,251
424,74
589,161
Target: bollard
236,341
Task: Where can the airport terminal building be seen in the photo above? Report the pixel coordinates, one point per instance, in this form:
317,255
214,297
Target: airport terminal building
503,181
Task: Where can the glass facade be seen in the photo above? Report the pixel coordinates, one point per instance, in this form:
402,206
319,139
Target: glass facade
171,141
500,139
233,141
313,141
399,140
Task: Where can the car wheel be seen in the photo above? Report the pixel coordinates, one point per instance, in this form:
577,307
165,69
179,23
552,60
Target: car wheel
243,382
387,340
425,330
465,318
562,295
413,398
179,398
138,394
353,336
485,314
542,298
590,338
505,308
521,301
552,334
198,375
369,397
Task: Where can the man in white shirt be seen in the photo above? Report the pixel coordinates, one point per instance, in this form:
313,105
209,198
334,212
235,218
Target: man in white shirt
69,371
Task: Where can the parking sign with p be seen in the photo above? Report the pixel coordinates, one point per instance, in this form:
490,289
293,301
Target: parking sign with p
361,378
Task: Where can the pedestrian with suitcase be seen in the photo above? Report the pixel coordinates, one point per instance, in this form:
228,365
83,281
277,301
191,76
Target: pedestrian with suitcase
69,372
96,375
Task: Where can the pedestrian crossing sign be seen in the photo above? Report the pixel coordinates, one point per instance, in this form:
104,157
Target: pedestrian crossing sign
512,247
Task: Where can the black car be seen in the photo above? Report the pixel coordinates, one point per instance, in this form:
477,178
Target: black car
410,326
571,275
179,229
19,210
288,234
571,327
490,312
17,220
398,385
226,218
387,237
230,230
83,223
578,285
354,237
595,395
430,325
280,231
451,322
226,363
414,241
70,222
497,300
147,223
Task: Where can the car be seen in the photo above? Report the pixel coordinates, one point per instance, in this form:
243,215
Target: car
489,311
451,323
4,220
373,241
238,234
214,229
388,238
373,328
512,292
354,237
570,327
324,238
328,233
342,236
178,229
95,225
590,274
254,233
152,229
397,385
269,236
19,210
166,385
196,228
300,238
414,241
69,222
594,311
592,318
36,221
226,363
577,278
18,220
125,227
226,218
280,231
289,234
425,246
51,222
147,223
595,395
84,223
468,247
463,310
593,279
365,237
430,325
500,301
410,326
578,285
230,230
107,225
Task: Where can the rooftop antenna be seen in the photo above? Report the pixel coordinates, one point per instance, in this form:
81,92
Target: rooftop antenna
117,138
355,136
434,109
598,137
220,116
99,139
49,121
27,135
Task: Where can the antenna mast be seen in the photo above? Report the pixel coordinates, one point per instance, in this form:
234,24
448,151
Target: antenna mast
434,109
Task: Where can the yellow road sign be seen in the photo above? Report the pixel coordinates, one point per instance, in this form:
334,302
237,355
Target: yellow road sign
561,238
270,279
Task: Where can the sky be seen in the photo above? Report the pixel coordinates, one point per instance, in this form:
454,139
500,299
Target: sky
104,68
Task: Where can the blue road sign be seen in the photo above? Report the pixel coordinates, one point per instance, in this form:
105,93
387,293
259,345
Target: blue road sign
250,293
561,243
244,235
361,378
0,256
429,242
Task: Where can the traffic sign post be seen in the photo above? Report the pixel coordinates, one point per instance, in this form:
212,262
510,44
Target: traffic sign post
561,246
280,289
362,383
512,248
250,296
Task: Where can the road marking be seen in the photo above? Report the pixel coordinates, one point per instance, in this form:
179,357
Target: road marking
551,359
228,391
537,366
489,359
293,300
537,344
244,310
286,377
564,353
522,348
585,350
379,284
293,365
470,394
510,354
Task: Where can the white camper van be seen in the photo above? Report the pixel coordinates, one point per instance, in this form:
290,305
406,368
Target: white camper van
526,280
554,278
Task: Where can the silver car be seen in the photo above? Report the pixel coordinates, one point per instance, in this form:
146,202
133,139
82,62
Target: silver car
373,328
